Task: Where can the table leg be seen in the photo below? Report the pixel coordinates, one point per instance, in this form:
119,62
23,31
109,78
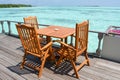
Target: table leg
71,40
48,39
66,40
51,51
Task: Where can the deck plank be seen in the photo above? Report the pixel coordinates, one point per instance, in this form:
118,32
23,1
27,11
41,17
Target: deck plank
11,56
9,74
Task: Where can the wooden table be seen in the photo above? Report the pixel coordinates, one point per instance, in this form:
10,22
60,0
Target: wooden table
56,32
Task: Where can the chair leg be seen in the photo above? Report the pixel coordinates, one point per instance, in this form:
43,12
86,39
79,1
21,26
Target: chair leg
42,65
59,61
52,56
86,57
75,69
23,61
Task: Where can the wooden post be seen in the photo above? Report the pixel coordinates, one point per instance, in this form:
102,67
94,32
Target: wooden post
98,51
9,27
2,26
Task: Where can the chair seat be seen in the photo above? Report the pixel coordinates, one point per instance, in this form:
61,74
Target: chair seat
66,53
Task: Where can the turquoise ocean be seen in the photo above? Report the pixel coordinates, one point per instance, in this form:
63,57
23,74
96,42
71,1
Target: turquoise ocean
100,18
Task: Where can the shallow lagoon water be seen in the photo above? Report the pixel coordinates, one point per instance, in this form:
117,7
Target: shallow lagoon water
100,18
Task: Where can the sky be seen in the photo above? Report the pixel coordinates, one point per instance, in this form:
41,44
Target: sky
109,3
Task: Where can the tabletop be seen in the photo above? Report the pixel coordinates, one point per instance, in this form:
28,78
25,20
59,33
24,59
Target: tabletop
56,31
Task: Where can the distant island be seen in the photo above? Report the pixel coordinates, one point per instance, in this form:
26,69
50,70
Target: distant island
13,5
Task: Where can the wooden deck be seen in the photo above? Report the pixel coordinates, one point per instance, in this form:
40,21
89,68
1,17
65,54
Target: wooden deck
11,56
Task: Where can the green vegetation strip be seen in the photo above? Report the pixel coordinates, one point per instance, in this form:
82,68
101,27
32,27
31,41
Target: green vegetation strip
13,5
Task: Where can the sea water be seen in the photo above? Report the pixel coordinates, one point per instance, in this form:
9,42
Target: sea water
100,18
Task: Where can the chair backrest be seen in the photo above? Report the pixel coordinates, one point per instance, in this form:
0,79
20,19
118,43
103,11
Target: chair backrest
29,39
81,36
32,21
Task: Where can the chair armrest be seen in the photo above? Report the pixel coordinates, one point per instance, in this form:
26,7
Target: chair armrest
64,44
46,46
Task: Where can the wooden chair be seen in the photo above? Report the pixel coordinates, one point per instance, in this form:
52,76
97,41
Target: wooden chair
32,22
31,45
71,53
